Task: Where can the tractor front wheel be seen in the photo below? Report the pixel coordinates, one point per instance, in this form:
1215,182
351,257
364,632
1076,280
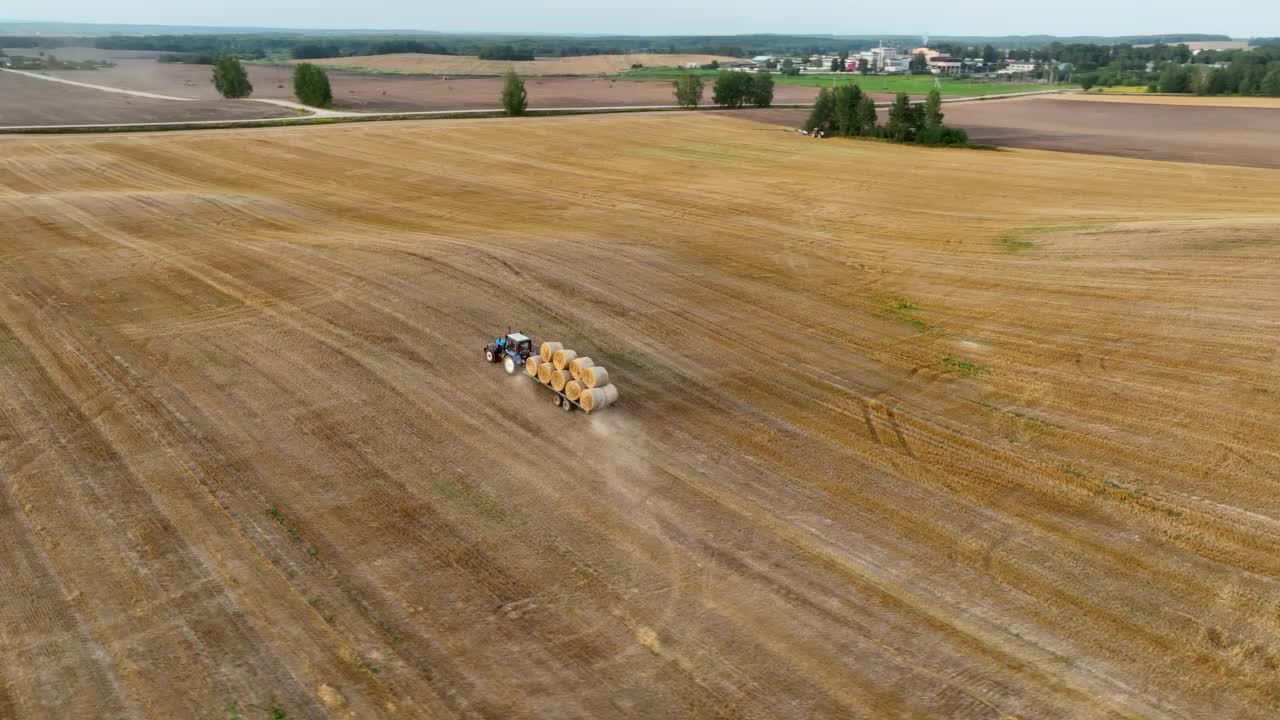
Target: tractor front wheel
488,355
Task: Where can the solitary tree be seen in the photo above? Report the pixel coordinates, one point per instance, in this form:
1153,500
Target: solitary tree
689,90
515,100
933,110
762,89
835,64
311,85
919,64
230,78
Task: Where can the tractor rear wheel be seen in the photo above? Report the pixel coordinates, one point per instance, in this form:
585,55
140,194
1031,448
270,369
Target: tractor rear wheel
509,364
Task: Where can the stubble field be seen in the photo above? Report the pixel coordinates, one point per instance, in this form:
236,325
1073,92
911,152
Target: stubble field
904,432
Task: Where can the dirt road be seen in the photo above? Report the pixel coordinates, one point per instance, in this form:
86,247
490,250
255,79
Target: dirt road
978,451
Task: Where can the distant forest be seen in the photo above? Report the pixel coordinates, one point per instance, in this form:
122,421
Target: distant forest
254,45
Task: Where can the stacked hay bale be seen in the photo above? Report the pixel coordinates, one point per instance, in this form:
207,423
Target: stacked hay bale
531,365
579,378
598,398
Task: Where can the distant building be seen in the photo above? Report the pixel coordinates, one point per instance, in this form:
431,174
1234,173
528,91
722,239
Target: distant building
879,59
1021,66
945,65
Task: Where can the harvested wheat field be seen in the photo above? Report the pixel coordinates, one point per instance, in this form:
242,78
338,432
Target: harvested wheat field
426,64
1007,450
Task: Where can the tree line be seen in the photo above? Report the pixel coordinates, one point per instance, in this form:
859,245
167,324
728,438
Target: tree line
731,90
846,111
1210,72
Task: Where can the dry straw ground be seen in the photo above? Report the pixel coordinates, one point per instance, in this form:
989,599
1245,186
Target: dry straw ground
464,65
905,432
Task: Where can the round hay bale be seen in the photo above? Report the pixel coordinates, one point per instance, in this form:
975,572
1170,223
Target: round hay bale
573,389
577,366
595,376
562,358
598,398
559,378
531,365
547,349
544,373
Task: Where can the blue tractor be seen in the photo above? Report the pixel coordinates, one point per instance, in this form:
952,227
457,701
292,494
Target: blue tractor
511,351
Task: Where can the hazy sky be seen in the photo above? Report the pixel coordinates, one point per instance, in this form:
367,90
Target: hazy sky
1238,18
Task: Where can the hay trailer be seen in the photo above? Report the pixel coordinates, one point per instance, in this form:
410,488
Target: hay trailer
577,382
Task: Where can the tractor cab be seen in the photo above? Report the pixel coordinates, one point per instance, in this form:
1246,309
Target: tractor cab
511,351
518,344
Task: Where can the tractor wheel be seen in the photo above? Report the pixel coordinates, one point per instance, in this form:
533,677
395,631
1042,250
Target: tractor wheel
509,364
488,355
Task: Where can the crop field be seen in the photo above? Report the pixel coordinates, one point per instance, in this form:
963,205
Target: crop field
1191,133
425,64
1218,135
364,92
904,432
31,101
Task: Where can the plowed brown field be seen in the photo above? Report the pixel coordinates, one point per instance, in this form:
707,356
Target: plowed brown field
420,63
904,432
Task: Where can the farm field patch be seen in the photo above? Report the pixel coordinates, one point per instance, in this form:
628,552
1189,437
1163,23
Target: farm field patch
426,64
1216,135
1237,101
31,101
363,92
903,432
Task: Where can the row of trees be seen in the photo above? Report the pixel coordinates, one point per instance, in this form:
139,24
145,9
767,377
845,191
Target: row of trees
325,49
732,89
1236,79
846,111
310,82
1239,72
506,52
